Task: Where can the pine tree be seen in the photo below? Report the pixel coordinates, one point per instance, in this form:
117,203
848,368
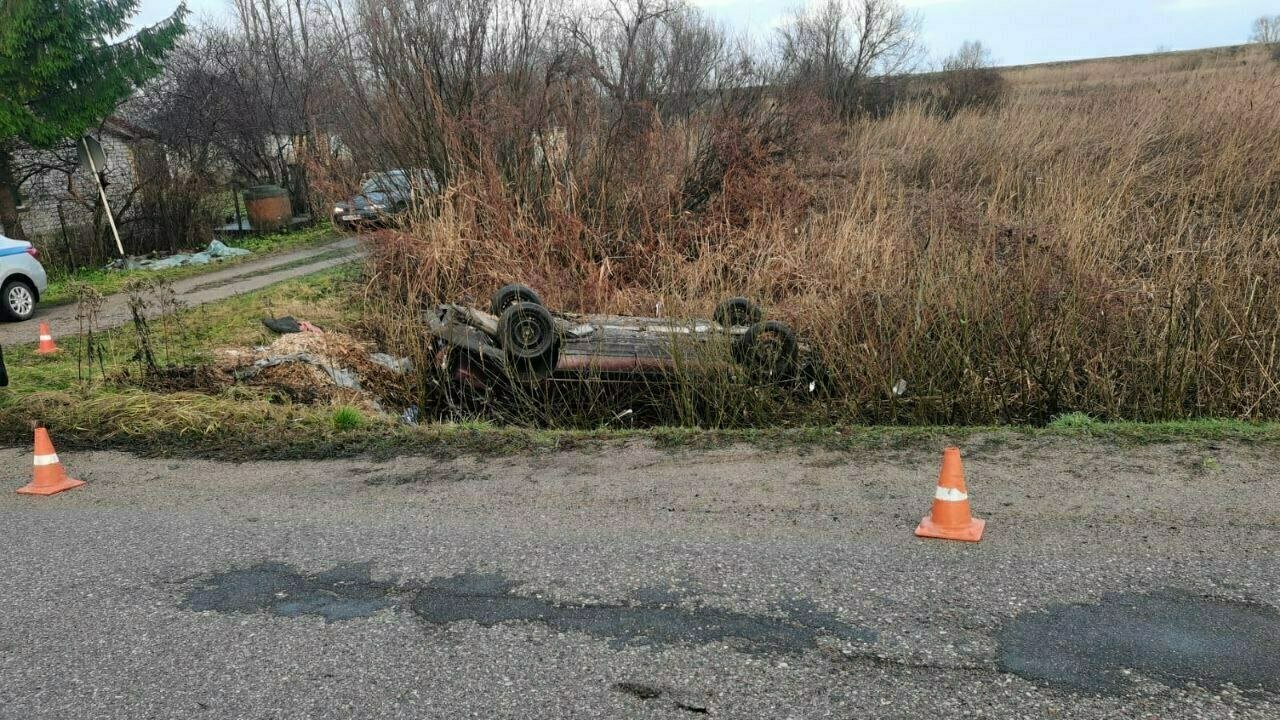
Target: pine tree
61,74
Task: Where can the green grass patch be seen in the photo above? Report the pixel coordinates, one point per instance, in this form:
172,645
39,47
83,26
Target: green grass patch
347,418
62,286
242,425
245,422
189,337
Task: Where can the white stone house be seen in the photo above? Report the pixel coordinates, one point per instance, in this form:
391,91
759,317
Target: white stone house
57,193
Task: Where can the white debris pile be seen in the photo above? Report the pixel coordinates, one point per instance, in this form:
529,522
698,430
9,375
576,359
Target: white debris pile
310,367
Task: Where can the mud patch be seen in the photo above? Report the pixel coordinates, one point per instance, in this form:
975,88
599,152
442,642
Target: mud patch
343,593
490,600
1171,636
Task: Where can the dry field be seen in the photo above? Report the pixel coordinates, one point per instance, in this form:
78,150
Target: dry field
1107,241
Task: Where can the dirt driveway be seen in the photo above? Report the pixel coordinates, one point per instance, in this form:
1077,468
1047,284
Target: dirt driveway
218,285
646,583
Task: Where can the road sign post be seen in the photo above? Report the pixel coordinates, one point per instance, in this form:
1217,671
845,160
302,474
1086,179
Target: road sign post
91,154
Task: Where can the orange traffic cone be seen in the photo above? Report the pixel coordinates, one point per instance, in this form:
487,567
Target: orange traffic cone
951,519
49,476
46,341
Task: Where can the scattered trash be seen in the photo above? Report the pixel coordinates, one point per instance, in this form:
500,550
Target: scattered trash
394,364
411,415
283,325
288,324
216,251
309,367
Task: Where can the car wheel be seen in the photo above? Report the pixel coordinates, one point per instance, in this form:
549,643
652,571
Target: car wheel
527,334
736,311
17,300
509,295
768,350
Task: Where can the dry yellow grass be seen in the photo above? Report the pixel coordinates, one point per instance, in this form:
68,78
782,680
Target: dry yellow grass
1107,242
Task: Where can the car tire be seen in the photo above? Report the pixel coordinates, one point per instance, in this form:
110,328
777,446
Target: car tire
736,311
527,334
17,300
768,350
509,295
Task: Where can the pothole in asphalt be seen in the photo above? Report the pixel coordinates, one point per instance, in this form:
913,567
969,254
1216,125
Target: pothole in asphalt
644,691
489,600
1170,635
342,593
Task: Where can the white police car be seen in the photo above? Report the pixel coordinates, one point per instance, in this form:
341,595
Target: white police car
22,279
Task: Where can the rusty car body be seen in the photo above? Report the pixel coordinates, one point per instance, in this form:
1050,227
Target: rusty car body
518,339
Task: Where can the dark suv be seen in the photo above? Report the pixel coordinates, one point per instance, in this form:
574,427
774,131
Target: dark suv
384,196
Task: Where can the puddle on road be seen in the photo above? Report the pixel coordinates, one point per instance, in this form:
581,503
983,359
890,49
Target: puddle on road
342,593
489,600
1171,636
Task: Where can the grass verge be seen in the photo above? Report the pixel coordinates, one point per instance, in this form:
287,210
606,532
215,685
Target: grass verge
62,285
245,427
86,411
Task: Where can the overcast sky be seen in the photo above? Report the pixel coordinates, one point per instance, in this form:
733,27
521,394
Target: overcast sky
1017,31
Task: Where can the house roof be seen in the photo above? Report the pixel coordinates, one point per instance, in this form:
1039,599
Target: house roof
123,128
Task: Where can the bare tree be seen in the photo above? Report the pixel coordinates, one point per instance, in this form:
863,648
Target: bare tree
1266,30
618,46
837,45
971,55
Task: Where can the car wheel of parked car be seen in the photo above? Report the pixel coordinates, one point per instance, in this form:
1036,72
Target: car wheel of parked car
509,295
17,300
527,334
768,350
736,311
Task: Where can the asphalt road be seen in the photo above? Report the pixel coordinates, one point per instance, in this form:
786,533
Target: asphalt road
197,290
646,583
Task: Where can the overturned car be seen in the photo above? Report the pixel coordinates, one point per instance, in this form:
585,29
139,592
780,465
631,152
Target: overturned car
519,340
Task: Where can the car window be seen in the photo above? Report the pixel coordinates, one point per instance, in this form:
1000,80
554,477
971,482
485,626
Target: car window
385,183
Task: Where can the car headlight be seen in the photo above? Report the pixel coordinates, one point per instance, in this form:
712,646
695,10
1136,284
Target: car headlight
339,209
376,206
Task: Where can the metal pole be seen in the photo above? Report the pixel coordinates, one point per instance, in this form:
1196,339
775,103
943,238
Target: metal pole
102,192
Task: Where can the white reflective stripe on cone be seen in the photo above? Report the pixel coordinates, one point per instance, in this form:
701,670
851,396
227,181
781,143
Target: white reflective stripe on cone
46,337
46,459
950,494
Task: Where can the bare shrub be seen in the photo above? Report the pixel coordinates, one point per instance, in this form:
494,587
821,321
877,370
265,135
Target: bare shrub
970,81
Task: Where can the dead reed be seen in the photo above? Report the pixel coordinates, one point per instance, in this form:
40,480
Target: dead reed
1103,247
